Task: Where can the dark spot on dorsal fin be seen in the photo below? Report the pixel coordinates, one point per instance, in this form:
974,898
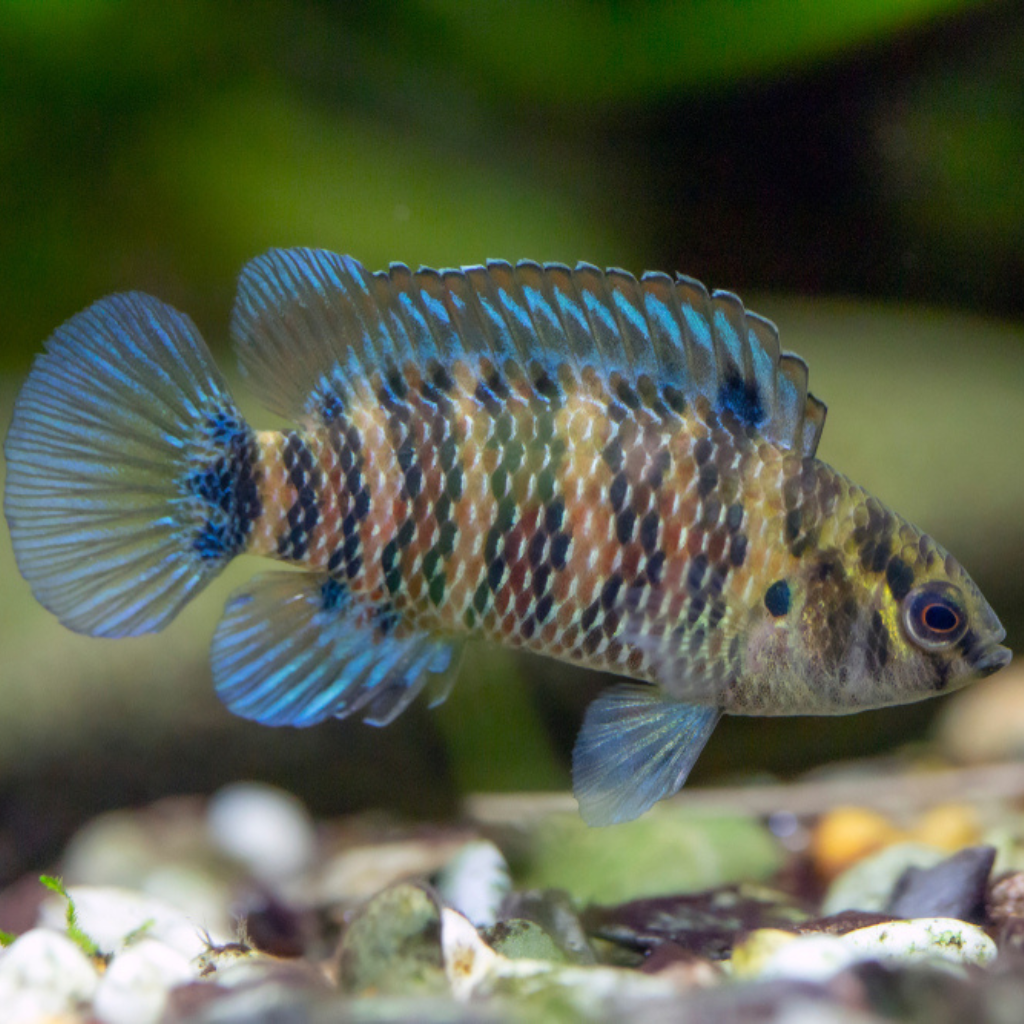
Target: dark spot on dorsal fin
742,399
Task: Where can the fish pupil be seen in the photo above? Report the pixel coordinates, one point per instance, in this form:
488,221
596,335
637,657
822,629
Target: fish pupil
940,618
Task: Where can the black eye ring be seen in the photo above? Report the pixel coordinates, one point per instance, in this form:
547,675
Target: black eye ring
934,616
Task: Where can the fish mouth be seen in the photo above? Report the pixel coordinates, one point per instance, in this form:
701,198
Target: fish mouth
992,660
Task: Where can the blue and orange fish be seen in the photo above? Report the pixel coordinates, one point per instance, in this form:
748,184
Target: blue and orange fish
617,473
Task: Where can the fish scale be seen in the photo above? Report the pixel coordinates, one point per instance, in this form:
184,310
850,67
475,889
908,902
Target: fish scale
457,533
614,472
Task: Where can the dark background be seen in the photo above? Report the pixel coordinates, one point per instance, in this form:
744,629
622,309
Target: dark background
872,151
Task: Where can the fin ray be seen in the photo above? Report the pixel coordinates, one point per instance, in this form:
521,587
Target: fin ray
308,322
117,413
284,655
636,747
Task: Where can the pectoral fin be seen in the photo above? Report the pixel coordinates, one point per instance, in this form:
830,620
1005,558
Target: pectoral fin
636,747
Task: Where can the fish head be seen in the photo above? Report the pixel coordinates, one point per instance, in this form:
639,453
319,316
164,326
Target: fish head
865,622
943,633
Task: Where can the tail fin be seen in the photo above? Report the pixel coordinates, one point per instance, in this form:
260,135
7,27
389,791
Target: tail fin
131,476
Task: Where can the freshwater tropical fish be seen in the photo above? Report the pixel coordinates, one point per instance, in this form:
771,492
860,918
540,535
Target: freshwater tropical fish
615,472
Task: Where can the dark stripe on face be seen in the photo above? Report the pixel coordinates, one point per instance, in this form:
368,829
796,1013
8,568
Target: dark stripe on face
900,578
878,644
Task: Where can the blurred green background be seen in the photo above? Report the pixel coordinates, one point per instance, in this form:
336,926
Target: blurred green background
853,170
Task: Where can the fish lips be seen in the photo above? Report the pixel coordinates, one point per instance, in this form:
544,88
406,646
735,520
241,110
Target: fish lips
991,660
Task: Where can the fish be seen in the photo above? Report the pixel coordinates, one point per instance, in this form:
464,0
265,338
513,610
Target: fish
613,471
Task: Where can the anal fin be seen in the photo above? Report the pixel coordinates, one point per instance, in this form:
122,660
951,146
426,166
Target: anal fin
636,747
297,649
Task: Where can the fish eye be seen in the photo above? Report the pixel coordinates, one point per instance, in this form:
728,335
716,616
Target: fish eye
934,616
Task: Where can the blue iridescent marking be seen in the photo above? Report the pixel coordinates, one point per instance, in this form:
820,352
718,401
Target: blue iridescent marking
501,334
332,593
699,327
764,368
211,542
571,309
518,314
631,313
224,426
599,311
729,337
423,340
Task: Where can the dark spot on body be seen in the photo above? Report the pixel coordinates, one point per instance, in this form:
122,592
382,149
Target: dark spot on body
674,399
610,590
777,598
486,397
546,386
707,481
430,562
649,532
441,378
655,565
618,490
612,455
540,579
406,456
560,550
882,554
738,549
495,572
794,520
656,476
553,516
506,516
695,573
625,523
454,484
628,396
535,549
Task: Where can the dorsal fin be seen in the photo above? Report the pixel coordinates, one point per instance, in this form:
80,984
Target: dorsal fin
307,323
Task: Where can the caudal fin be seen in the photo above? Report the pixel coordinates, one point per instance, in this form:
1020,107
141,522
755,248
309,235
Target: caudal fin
131,476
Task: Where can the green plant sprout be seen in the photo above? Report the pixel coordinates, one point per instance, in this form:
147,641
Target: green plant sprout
75,933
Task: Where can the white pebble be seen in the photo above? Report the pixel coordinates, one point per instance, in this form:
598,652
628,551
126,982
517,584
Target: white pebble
266,829
475,882
111,917
468,960
43,973
135,987
808,958
923,938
